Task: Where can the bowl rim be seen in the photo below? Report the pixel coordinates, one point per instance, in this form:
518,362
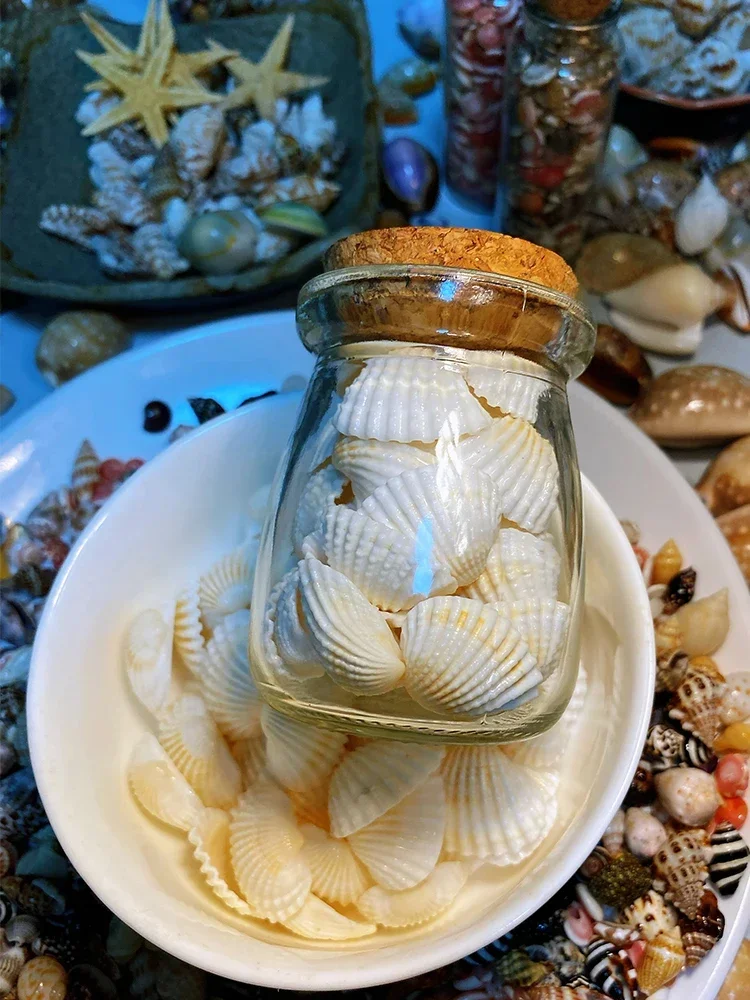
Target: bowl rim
685,103
422,955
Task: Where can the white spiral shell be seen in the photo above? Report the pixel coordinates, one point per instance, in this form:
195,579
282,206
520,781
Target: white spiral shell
230,693
418,905
160,787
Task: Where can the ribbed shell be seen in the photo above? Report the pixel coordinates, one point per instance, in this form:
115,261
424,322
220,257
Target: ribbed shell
522,465
464,657
373,779
147,652
311,804
418,905
368,464
265,846
408,399
188,630
210,839
381,561
542,623
545,752
337,876
320,491
160,787
681,865
320,922
251,756
227,586
498,810
663,959
531,564
230,693
350,635
292,639
651,915
700,935
402,847
696,705
299,756
510,392
451,517
192,739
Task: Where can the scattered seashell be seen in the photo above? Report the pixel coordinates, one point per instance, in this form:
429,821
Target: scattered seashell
164,184
679,590
375,778
680,866
688,794
290,633
77,223
736,737
729,859
196,139
230,693
651,915
299,756
696,405
220,242
368,463
7,399
619,370
617,260
667,562
147,652
337,876
613,838
85,473
669,748
701,934
464,657
644,833
396,107
42,978
701,218
408,400
227,586
12,960
322,489
8,858
725,485
663,959
735,699
695,705
578,925
414,76
421,25
315,192
211,848
680,295
735,526
418,905
514,393
321,922
294,217
731,775
155,251
650,41
620,883
410,173
607,967
188,630
661,337
520,566
543,625
76,341
734,276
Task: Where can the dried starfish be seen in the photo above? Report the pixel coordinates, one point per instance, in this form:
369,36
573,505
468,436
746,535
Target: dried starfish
263,83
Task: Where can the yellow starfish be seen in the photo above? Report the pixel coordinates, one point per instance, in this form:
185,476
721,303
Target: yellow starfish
263,83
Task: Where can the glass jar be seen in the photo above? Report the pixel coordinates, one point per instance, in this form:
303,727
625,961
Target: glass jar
561,93
420,573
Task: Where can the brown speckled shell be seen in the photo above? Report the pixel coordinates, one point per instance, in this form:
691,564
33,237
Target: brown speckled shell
726,482
671,669
651,915
696,705
735,526
681,866
701,934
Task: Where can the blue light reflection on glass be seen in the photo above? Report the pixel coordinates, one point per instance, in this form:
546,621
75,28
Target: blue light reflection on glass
447,290
424,559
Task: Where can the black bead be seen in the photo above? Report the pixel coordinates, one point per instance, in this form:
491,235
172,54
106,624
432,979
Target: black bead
206,408
156,417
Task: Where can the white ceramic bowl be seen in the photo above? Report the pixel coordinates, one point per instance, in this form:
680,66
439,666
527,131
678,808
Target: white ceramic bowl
172,519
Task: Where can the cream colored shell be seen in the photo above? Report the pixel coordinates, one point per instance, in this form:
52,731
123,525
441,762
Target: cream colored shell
230,693
321,922
210,840
188,630
542,624
147,652
227,586
367,463
418,905
159,786
337,876
319,492
290,634
511,392
299,756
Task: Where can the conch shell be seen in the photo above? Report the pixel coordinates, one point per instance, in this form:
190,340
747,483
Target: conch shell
726,483
680,295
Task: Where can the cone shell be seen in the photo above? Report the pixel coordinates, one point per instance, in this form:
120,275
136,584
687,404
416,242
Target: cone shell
402,847
368,464
522,465
663,959
451,517
85,473
337,876
147,651
542,624
192,739
545,752
188,630
651,915
351,637
418,905
265,846
299,756
511,392
381,561
210,840
696,705
408,399
373,779
159,787
321,490
498,810
464,657
320,922
230,693
681,866
290,634
228,586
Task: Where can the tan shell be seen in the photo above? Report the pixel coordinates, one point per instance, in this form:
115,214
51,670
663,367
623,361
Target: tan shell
663,959
695,405
726,482
680,868
696,704
735,526
651,915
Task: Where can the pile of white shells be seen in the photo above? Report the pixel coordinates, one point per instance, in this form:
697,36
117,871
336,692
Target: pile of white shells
439,576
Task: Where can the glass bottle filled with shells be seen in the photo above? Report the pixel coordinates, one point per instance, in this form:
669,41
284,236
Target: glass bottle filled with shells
562,86
420,573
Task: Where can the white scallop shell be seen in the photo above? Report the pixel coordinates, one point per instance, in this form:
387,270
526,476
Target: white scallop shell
210,839
351,637
381,561
491,586
147,652
521,463
313,545
368,464
542,623
188,630
402,847
452,518
228,586
531,564
292,639
337,876
319,921
408,399
418,905
230,693
159,787
320,491
464,657
373,779
192,739
299,756
250,754
545,752
510,392
498,810
265,846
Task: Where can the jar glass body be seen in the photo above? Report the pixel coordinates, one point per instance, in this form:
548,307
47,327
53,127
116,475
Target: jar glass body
561,92
420,572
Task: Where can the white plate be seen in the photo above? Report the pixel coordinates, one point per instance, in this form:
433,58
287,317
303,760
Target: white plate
236,358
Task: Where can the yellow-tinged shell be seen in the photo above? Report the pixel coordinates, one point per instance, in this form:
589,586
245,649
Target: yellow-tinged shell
464,657
696,704
663,959
159,786
542,623
147,652
337,876
265,845
513,393
367,463
230,693
450,515
418,905
209,837
667,562
520,566
299,756
408,400
192,739
651,915
321,490
350,636
498,810
402,847
311,804
373,779
188,630
703,624
725,485
228,586
320,922
42,978
546,751
12,960
735,737
75,341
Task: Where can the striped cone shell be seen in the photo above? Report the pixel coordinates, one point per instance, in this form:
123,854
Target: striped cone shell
729,859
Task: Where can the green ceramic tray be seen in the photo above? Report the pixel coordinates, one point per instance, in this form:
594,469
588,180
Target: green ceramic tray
45,161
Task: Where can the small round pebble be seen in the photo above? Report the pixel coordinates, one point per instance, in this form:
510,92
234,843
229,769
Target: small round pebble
731,775
732,811
156,417
42,978
688,794
644,833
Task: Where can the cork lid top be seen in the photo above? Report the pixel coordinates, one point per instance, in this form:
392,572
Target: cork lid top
475,249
